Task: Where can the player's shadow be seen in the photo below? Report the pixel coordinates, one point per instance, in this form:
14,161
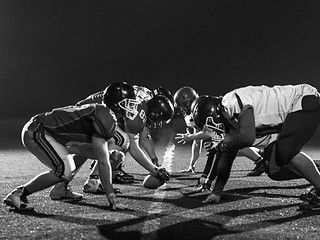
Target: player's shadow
251,191
188,229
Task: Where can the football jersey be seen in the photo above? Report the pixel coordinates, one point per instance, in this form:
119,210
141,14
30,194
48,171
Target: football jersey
121,140
271,105
75,123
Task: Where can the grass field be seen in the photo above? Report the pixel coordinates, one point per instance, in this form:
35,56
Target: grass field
251,207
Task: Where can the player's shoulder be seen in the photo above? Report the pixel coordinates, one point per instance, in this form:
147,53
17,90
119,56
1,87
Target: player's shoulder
137,124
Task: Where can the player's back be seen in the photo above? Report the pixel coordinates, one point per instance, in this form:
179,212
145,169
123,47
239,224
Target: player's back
75,123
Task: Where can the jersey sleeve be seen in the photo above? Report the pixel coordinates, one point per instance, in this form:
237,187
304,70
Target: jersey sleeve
106,122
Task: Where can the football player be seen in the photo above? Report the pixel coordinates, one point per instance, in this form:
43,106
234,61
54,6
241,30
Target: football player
47,136
183,99
235,120
157,109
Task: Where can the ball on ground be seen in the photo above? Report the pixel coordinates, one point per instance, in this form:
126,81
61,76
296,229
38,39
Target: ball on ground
151,182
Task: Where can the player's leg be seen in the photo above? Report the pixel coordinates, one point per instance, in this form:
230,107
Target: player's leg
297,130
39,143
255,155
62,190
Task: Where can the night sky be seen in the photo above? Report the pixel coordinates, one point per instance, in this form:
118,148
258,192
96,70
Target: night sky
54,53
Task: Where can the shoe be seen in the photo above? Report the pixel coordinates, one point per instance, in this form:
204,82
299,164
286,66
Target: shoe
311,200
16,200
121,177
93,185
257,171
308,196
62,191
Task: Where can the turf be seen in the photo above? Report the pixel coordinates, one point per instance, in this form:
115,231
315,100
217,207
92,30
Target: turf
251,207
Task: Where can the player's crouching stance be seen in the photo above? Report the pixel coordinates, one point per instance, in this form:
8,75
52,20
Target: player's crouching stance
234,122
47,135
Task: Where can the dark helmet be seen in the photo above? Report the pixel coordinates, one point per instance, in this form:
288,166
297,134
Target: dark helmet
159,109
207,113
183,99
165,92
120,98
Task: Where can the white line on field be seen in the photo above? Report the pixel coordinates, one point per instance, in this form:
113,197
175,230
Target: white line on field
151,226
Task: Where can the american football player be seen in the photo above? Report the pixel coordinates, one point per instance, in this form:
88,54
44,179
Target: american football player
238,118
151,110
47,136
184,99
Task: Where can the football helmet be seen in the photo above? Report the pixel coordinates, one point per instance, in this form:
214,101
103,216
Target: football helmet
142,93
163,91
120,97
183,99
207,114
159,109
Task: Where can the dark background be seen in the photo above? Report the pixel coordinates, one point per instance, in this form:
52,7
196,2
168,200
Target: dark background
54,53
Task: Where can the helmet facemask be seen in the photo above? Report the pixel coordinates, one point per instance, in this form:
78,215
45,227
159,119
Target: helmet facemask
130,107
217,128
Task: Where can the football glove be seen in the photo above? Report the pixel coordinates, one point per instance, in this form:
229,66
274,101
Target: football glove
162,174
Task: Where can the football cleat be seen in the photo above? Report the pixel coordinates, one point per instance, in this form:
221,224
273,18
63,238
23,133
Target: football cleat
257,171
308,196
15,199
93,186
62,191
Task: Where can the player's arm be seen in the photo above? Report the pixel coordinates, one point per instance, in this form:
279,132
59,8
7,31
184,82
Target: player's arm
147,144
138,155
187,137
242,137
196,148
101,151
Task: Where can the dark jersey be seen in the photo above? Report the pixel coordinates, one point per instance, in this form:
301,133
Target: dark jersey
75,123
135,125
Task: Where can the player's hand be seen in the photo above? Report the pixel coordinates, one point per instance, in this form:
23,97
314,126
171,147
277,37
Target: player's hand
182,137
162,174
112,200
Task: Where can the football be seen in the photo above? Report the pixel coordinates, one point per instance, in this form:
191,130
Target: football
151,182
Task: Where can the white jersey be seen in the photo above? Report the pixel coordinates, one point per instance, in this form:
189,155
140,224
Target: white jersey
271,105
142,93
